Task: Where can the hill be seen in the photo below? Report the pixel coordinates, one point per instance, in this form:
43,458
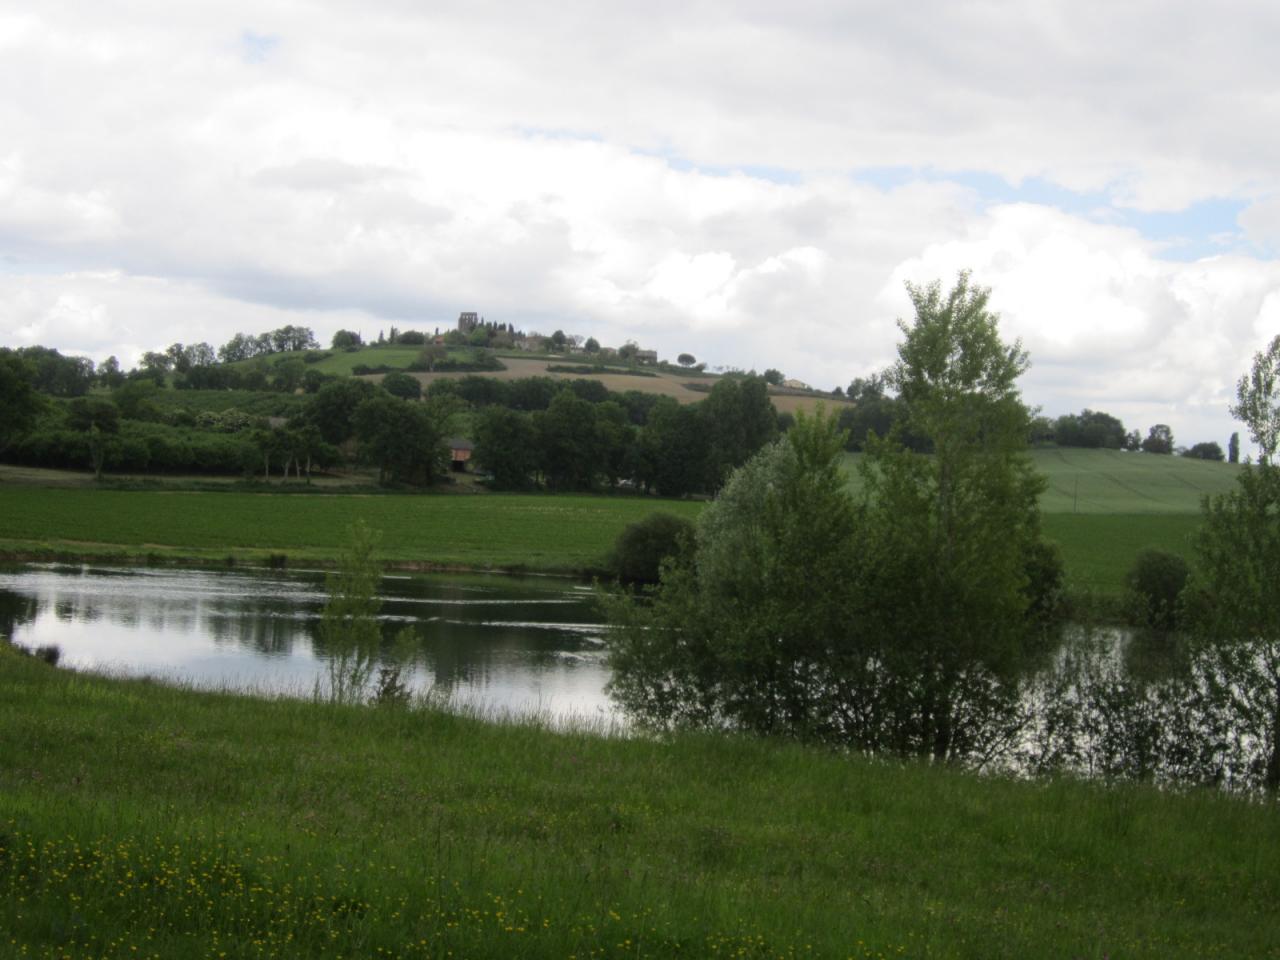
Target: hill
685,386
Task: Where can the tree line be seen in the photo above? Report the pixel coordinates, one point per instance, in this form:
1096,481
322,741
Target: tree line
532,432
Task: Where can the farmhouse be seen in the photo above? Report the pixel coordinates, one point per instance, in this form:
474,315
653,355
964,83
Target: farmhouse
459,454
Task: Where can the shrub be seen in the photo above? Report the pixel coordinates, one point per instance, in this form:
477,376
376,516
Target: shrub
1155,582
402,385
640,549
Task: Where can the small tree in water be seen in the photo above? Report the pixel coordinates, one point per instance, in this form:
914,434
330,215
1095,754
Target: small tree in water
893,623
349,632
1233,600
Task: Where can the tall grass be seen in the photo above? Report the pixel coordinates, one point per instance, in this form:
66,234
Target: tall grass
188,824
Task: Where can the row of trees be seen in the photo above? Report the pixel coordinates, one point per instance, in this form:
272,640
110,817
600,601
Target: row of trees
577,442
286,339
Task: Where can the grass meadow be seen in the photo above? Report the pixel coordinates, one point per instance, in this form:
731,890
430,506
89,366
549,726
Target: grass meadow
140,820
535,532
1102,507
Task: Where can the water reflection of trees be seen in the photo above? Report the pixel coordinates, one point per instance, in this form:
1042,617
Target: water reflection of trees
478,632
16,610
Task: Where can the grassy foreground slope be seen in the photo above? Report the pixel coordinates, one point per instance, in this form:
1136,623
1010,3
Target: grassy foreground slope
138,820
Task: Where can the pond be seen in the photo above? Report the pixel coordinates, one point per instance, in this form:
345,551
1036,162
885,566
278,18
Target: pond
498,643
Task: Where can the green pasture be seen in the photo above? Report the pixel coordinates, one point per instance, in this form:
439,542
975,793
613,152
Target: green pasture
530,531
1117,482
140,820
1099,549
1099,539
342,362
537,532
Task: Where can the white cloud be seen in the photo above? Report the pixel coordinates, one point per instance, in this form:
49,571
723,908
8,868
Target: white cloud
181,175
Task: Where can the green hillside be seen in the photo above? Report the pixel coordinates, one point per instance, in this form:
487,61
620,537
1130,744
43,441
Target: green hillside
1117,482
1113,481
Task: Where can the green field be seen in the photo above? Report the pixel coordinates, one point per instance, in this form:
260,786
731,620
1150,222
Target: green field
1112,481
1117,482
139,820
565,533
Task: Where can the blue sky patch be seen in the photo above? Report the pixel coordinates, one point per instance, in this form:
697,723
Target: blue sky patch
257,47
1202,229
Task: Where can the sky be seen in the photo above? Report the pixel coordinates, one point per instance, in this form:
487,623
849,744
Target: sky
751,182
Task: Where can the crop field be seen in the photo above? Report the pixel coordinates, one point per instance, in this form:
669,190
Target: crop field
1115,482
499,530
140,820
1112,481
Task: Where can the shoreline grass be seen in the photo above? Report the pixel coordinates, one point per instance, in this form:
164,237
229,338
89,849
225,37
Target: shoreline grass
193,824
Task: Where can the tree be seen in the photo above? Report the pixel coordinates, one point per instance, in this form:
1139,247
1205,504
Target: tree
592,345
568,443
287,376
773,377
100,420
862,389
348,631
686,359
156,366
506,447
432,354
18,397
672,449
752,628
1091,429
54,374
405,440
345,339
1258,400
1159,440
893,622
1154,584
737,420
136,400
402,385
1233,448
642,546
960,527
333,407
1232,604
1204,451
290,337
109,373
240,347
558,340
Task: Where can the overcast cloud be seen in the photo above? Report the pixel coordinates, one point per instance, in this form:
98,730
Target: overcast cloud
749,182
